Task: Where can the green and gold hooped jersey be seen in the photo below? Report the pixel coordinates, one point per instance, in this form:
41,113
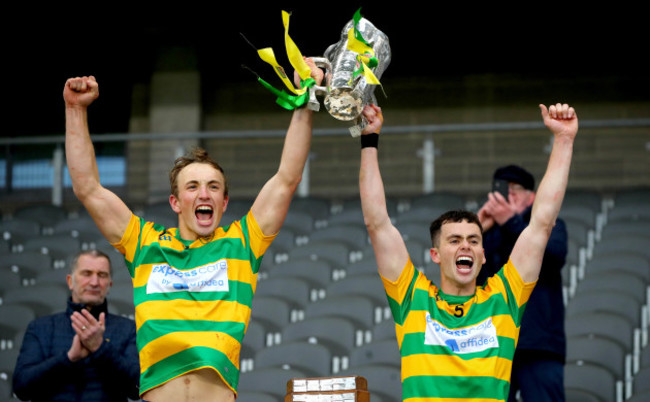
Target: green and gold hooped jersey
457,348
192,298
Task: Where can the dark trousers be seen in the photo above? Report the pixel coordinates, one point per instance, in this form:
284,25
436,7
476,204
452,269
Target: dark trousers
537,378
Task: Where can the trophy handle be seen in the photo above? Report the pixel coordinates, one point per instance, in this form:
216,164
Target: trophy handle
326,65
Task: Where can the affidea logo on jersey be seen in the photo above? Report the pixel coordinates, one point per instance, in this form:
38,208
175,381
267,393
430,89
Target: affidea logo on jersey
207,278
476,338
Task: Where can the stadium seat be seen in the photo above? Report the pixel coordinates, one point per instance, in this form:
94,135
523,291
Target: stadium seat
640,397
625,228
615,280
8,280
14,319
284,241
58,247
301,223
354,236
120,298
384,330
604,353
578,395
629,213
616,261
377,352
579,231
254,340
591,379
347,217
6,392
415,231
645,357
43,300
27,265
632,196
293,290
8,363
369,286
366,266
46,215
5,246
318,208
318,273
584,197
616,302
338,253
581,213
642,381
338,334
602,324
18,230
52,277
313,359
359,309
273,313
623,244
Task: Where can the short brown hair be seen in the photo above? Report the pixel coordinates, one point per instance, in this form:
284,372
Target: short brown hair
451,216
93,253
196,155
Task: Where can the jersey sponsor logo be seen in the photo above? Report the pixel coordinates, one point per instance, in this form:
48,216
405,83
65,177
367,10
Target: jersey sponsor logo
476,338
207,278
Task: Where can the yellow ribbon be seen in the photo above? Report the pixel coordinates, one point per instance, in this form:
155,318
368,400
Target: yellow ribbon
294,56
362,49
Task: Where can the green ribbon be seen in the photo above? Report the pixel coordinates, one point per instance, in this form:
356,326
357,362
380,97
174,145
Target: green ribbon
372,60
286,100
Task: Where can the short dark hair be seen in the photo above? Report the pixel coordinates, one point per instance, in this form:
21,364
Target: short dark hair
458,215
94,253
196,155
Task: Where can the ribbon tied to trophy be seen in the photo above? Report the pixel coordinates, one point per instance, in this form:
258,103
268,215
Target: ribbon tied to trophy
352,67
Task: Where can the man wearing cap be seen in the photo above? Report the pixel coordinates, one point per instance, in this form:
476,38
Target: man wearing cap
538,366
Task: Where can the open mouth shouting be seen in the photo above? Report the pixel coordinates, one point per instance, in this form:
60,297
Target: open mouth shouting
464,264
204,214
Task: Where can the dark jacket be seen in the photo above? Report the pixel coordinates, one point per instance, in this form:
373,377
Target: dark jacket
44,372
542,328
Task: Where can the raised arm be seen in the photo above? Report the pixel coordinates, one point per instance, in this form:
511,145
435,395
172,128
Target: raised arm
272,203
529,249
107,210
387,242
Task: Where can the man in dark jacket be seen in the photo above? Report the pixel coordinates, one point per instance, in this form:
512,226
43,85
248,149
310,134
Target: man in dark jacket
538,366
84,353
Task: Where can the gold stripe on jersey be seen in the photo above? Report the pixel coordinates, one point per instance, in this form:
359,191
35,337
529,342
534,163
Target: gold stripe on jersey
455,366
175,342
193,310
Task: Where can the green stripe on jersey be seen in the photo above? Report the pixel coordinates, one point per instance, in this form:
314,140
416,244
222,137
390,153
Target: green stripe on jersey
188,360
472,388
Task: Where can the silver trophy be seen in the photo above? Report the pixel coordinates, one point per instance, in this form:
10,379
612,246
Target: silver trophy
347,94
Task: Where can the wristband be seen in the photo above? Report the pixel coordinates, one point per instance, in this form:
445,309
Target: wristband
370,140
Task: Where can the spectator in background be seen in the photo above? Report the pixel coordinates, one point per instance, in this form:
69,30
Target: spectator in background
538,366
84,353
